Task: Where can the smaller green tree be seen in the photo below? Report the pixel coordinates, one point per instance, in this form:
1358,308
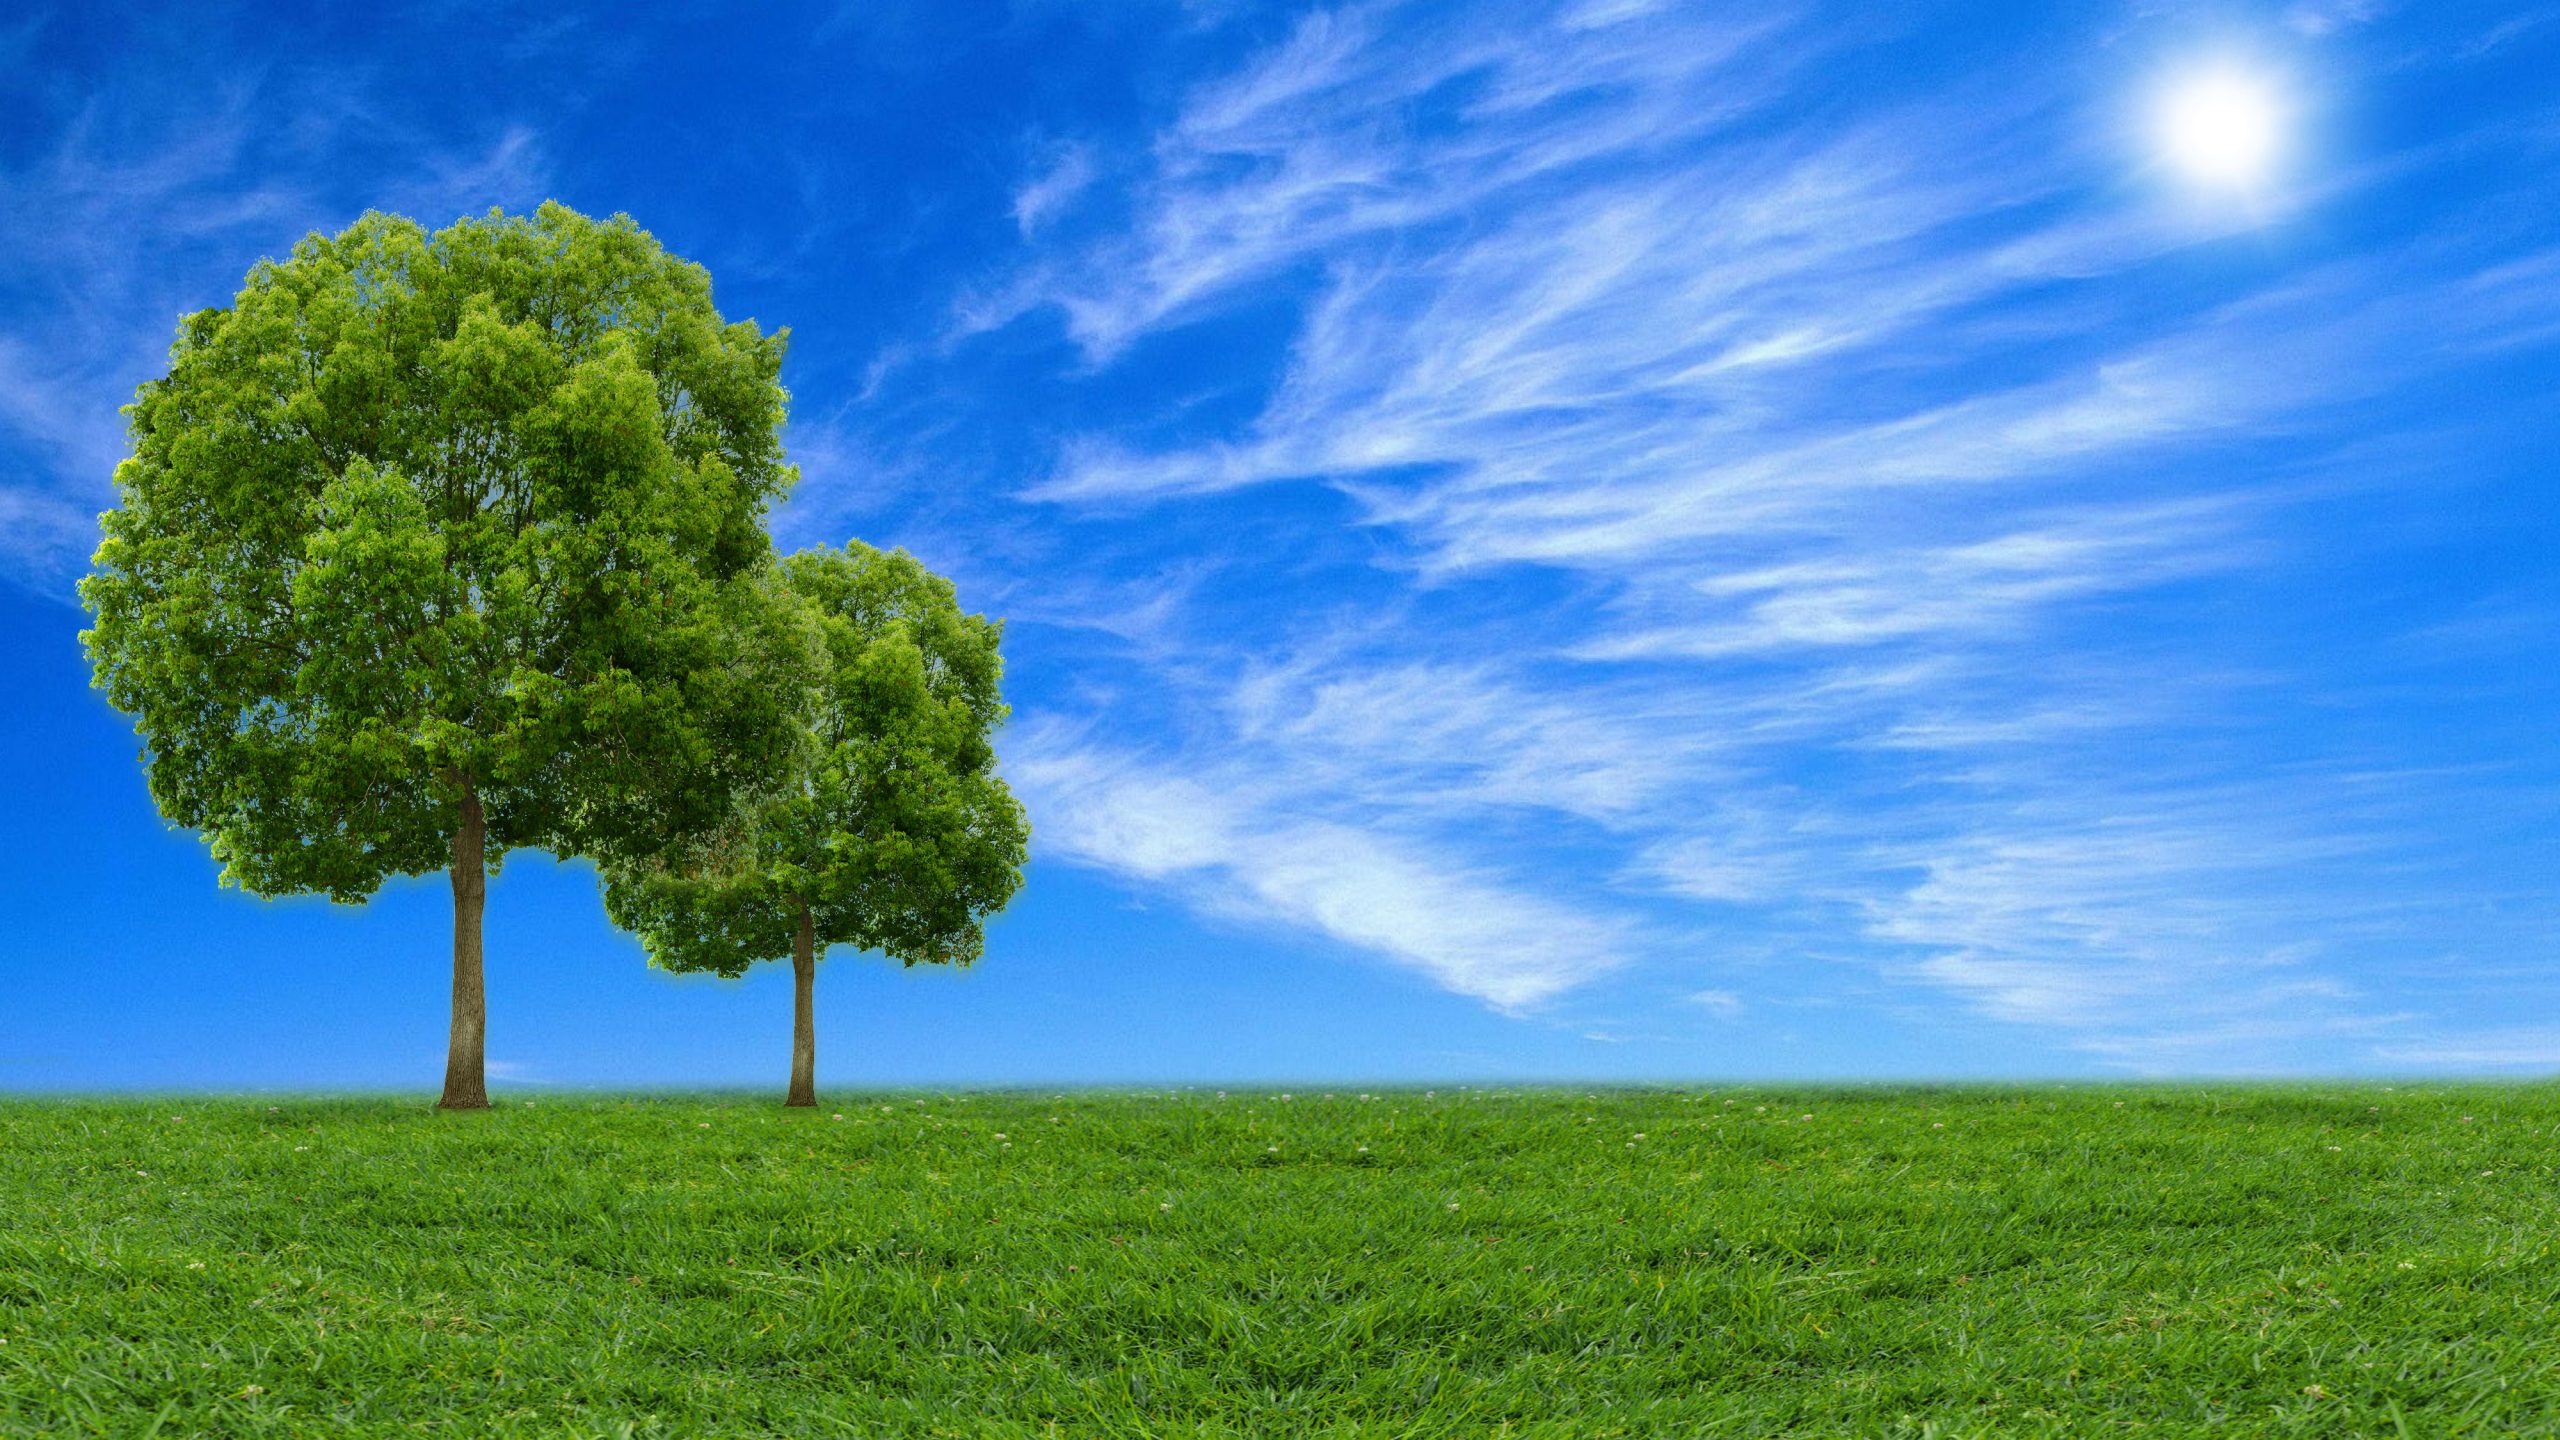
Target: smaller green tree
891,829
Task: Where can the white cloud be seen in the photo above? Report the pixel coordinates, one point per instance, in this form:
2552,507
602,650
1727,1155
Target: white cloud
1068,172
1988,586
1414,734
1215,836
511,173
43,535
1298,152
48,514
2157,920
2316,18
1739,855
2523,1047
1723,1004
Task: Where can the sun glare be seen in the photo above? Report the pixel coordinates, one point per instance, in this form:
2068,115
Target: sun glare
2223,127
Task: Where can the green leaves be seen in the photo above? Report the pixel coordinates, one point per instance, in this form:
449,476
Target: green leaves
891,827
483,507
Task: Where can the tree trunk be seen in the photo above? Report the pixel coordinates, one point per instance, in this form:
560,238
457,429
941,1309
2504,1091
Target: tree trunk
466,1084
804,1024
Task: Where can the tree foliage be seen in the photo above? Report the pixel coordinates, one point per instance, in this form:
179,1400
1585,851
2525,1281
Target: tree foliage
424,518
893,832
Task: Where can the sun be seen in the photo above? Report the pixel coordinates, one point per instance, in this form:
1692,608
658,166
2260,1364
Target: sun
2223,126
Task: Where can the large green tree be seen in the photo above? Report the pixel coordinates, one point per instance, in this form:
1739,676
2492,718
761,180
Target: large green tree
891,832
434,546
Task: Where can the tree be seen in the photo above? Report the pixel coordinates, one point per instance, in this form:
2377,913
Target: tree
432,547
893,832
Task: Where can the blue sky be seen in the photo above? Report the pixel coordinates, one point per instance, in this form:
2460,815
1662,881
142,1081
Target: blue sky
1604,540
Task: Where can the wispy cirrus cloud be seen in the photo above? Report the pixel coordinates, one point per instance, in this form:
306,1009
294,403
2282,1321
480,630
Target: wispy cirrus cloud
2517,1047
2155,914
1069,173
1243,848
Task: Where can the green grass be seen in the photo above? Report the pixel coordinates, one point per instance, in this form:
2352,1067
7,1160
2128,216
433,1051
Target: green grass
2077,1261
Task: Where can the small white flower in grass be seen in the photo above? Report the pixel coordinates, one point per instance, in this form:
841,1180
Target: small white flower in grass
1804,1117
1631,1144
1167,1205
1453,1204
253,1390
2408,1264
2466,1119
839,1117
1937,1124
702,1125
1286,1097
1639,1134
195,1264
1271,1149
1000,1135
145,1174
1364,1149
2340,1149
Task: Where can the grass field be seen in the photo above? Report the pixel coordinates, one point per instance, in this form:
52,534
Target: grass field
2323,1261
